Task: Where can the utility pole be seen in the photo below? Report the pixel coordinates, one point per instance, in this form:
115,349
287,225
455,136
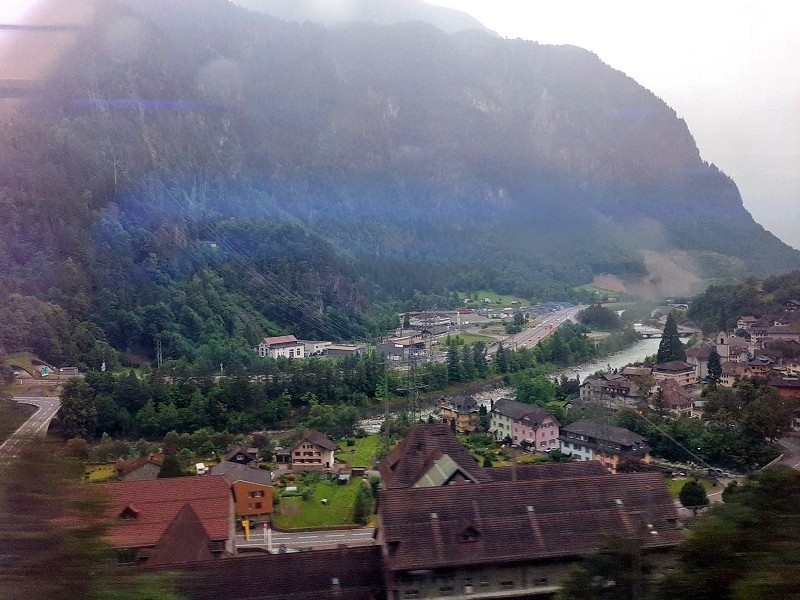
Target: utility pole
159,355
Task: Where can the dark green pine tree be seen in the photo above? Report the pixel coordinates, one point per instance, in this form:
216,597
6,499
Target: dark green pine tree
454,369
501,360
714,368
671,348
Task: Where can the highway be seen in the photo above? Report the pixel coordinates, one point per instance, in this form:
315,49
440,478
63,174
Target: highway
308,540
530,336
36,425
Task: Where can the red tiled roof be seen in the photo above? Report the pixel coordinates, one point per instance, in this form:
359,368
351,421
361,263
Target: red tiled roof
125,467
158,502
520,521
702,352
281,339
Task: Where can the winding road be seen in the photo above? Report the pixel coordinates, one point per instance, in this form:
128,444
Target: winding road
36,425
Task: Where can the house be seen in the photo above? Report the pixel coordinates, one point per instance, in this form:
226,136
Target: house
343,351
746,322
608,444
682,372
314,452
170,520
671,397
516,539
242,456
283,346
615,391
251,488
636,373
315,348
732,372
788,387
430,455
143,468
405,349
460,413
527,425
777,332
698,357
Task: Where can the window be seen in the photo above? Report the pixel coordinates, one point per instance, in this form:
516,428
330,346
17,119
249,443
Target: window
507,585
259,506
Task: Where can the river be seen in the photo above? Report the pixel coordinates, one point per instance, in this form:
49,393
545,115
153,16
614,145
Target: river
636,353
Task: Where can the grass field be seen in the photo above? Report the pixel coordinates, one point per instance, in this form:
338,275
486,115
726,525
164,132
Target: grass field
675,486
22,360
12,415
471,338
361,454
95,473
312,513
505,299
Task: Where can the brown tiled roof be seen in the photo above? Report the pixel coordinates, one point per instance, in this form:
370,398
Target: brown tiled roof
342,574
610,433
519,410
185,539
702,352
674,366
126,467
249,452
673,394
416,453
281,339
521,521
590,468
315,437
158,502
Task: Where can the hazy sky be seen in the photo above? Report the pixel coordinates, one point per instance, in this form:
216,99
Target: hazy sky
730,68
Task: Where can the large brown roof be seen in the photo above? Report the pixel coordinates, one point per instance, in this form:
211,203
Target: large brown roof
522,521
415,454
588,468
673,366
152,505
315,437
519,410
342,574
610,433
281,339
237,472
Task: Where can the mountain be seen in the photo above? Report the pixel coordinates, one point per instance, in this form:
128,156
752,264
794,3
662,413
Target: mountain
197,173
382,12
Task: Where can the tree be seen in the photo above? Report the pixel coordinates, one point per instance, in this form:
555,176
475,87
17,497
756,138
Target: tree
501,360
693,495
615,572
747,548
670,348
78,415
171,467
714,369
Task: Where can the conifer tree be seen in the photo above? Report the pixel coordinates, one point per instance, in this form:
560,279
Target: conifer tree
671,348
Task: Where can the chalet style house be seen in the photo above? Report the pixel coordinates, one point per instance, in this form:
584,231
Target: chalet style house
251,488
314,452
684,373
607,444
525,424
460,413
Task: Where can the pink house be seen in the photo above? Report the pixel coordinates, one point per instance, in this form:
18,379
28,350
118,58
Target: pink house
525,424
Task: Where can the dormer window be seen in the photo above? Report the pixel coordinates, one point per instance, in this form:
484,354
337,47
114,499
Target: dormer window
470,534
129,512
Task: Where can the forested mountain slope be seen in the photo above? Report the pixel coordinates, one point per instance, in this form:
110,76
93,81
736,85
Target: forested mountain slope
203,174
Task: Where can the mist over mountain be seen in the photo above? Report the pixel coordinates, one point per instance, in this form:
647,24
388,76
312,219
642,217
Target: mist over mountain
382,12
203,174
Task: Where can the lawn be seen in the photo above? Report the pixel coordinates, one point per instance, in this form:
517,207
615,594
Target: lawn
12,415
361,454
312,513
471,338
95,473
505,299
24,361
675,486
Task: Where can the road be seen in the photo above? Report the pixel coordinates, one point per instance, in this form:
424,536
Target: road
308,540
530,336
36,425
